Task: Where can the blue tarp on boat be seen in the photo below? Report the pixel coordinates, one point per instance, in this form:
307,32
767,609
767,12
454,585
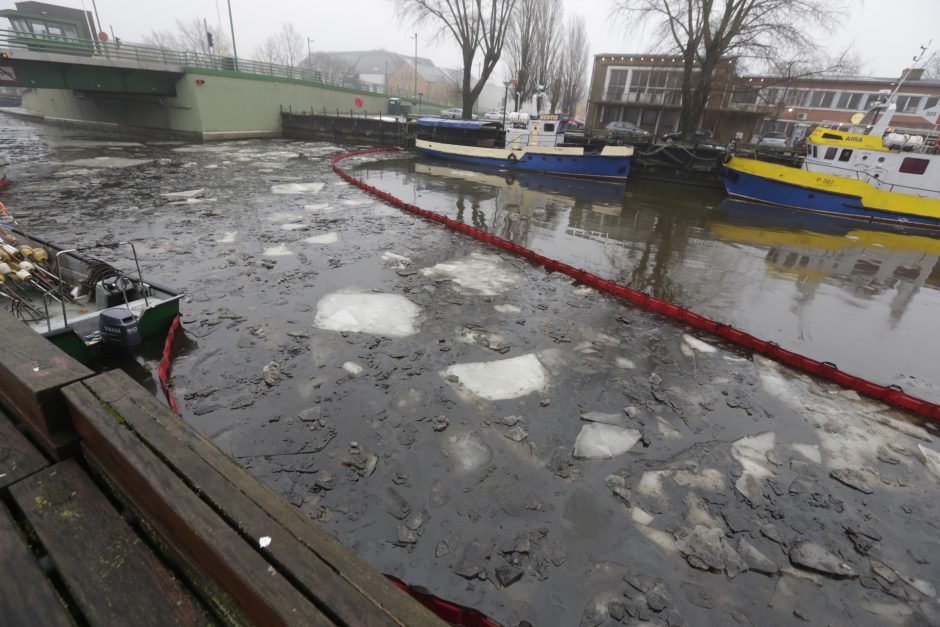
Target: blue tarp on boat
469,124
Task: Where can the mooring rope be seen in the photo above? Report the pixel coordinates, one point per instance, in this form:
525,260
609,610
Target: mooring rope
891,395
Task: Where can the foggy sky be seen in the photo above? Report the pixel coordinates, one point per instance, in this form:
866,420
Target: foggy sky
885,42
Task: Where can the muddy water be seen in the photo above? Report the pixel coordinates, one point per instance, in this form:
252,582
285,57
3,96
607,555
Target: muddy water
510,440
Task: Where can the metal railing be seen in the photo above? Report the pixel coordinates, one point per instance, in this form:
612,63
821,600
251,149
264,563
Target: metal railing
144,54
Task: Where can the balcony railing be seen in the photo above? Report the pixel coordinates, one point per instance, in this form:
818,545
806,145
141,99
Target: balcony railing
659,97
143,54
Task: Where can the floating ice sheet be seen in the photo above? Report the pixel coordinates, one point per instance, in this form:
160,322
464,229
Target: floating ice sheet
751,453
293,226
228,237
478,274
507,309
467,452
697,344
502,379
326,238
277,251
378,314
297,188
931,459
284,216
321,207
106,162
190,193
809,451
603,441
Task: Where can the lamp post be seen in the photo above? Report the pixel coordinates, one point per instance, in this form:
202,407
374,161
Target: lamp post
386,78
231,24
511,81
309,54
415,37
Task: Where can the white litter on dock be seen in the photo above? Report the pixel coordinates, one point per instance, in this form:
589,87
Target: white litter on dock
378,314
502,379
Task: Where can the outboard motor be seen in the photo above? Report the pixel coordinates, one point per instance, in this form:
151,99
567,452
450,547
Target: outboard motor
119,330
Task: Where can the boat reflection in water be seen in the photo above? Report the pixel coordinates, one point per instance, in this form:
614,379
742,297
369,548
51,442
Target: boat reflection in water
812,250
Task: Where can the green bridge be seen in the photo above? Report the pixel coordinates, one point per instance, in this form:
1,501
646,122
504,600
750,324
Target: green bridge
186,94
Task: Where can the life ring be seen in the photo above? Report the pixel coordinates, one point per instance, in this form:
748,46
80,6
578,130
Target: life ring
512,157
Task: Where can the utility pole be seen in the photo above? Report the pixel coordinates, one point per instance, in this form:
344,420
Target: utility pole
231,24
309,55
416,67
97,19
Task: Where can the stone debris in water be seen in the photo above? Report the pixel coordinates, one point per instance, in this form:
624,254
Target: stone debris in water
467,452
603,441
501,379
327,238
379,314
811,556
751,452
296,188
272,373
482,274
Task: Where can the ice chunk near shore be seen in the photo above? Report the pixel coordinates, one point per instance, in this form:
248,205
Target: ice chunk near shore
284,216
296,188
293,226
598,440
191,193
477,274
228,237
106,162
624,364
326,238
507,309
697,344
352,368
751,453
379,314
930,458
467,452
320,207
501,379
809,451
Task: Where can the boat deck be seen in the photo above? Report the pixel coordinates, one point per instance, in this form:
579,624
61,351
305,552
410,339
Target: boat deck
115,511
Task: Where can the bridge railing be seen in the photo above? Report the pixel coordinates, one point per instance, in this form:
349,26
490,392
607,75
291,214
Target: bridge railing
142,53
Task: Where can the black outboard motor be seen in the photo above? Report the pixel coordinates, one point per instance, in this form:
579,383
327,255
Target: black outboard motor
119,330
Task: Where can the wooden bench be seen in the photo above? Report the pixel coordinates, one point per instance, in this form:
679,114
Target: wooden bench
32,372
209,516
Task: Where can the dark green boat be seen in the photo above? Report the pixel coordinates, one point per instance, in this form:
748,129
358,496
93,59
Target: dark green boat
81,304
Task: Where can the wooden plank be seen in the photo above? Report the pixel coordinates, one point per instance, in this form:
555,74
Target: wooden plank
32,371
112,575
26,596
18,457
256,510
188,528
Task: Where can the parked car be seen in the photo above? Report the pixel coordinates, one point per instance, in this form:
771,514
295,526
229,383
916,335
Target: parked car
493,115
626,128
773,138
575,123
455,114
691,137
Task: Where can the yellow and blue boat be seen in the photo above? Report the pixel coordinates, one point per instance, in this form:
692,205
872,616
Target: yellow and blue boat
867,172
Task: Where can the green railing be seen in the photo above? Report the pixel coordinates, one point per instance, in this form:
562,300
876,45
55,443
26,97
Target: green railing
139,53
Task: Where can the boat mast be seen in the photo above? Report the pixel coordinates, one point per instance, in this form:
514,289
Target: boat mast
891,104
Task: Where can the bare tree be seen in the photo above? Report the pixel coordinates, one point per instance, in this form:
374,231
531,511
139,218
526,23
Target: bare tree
475,25
549,27
285,47
932,68
189,36
576,53
521,47
707,33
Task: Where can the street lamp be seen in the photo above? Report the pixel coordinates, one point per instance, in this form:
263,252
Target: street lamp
415,37
309,54
231,24
511,81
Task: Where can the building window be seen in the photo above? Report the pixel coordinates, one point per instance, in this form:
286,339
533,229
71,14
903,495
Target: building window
846,155
931,102
908,104
549,128
821,99
831,153
913,165
649,116
849,101
617,84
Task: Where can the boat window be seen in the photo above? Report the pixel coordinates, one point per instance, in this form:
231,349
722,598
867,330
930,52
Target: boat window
815,152
913,165
831,136
831,153
846,155
809,150
549,128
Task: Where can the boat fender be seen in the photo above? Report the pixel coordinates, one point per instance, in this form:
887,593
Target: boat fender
512,156
727,156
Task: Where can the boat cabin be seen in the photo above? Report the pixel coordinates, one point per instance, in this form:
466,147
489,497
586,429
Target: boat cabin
547,129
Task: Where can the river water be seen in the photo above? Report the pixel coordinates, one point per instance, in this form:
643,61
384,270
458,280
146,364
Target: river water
513,441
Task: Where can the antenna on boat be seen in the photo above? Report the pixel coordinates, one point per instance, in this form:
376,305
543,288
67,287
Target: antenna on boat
916,59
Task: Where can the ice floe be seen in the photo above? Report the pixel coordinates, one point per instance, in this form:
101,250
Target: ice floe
478,274
326,238
106,162
697,344
293,226
507,309
624,363
931,459
501,379
809,451
467,452
321,207
191,193
353,368
296,188
277,251
284,216
751,453
228,237
378,314
598,440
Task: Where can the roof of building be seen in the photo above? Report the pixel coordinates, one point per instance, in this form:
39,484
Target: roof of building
371,61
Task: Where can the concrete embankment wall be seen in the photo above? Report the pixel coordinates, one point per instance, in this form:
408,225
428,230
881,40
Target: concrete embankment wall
224,105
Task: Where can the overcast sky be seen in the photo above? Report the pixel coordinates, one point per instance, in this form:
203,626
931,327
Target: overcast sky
886,40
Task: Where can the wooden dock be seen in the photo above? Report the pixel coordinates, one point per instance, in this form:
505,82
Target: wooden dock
113,511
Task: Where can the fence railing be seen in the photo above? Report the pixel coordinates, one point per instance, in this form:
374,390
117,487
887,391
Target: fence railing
141,53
